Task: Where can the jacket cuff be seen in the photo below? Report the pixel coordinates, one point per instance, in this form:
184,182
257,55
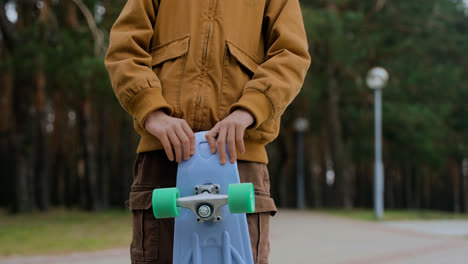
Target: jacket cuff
257,104
147,101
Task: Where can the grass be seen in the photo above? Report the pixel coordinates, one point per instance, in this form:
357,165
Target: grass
395,215
61,231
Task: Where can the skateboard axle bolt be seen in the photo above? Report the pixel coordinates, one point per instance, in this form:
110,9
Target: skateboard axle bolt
204,211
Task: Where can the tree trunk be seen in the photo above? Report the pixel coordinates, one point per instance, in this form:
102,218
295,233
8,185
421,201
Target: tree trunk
60,161
275,155
23,197
315,170
455,179
41,174
465,183
288,172
6,160
408,186
70,15
89,181
390,187
104,175
417,187
398,189
21,152
426,185
125,152
342,178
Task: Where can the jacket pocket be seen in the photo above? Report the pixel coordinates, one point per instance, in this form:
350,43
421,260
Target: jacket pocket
238,68
168,63
145,238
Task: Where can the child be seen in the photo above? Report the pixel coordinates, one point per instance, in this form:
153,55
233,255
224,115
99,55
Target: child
182,66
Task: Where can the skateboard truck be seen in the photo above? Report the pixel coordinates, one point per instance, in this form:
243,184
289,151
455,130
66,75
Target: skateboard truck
206,203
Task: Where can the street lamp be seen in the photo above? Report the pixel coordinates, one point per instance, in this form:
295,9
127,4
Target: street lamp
376,79
300,125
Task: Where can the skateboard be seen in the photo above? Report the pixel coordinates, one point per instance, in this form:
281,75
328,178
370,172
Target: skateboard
209,205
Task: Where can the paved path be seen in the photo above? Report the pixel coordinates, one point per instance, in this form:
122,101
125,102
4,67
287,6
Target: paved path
323,239
307,237
457,228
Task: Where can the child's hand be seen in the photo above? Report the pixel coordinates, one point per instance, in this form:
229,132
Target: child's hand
172,131
230,129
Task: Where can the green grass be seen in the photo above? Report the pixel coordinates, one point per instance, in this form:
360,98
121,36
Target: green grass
394,215
62,231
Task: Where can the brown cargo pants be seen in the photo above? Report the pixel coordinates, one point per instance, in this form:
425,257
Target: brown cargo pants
152,239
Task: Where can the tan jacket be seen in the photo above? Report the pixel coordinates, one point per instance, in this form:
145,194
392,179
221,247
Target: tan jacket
201,59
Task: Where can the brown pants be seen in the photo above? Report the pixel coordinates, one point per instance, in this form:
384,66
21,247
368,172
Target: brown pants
153,239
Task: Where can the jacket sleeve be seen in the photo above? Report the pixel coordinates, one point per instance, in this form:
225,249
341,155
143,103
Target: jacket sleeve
278,80
128,61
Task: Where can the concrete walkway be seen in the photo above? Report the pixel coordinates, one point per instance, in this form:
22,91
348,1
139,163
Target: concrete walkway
323,239
457,228
307,237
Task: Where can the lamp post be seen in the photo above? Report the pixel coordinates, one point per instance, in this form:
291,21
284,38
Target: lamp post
300,125
376,80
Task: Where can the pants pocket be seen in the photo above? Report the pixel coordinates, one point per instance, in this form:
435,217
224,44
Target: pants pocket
146,230
259,229
257,174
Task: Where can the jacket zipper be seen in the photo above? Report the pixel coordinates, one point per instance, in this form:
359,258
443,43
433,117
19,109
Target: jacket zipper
205,56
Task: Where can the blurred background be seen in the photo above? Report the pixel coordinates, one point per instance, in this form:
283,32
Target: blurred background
67,147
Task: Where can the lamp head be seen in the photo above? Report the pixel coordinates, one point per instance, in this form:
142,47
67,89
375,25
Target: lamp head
377,78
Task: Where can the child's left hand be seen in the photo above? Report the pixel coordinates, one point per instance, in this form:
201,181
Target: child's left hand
230,130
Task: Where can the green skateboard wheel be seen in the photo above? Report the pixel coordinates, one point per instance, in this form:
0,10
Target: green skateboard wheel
241,198
165,202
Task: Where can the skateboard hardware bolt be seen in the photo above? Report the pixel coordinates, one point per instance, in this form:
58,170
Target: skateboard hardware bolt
218,218
196,188
204,211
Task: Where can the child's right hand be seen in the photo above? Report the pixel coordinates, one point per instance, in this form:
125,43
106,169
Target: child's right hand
174,132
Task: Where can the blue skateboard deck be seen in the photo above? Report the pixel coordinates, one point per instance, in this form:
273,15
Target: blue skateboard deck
218,242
